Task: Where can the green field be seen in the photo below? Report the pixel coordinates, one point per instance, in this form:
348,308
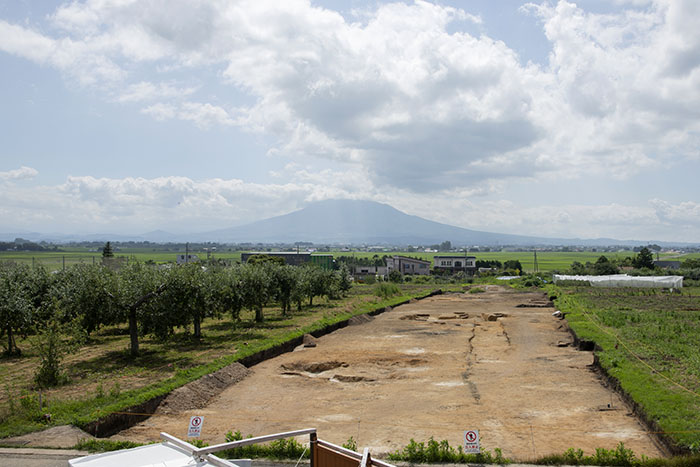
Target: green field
70,256
548,261
650,342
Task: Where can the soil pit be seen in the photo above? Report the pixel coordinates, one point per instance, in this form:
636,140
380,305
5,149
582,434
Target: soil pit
411,373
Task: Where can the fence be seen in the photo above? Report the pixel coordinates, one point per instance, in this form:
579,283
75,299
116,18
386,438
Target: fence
57,262
322,453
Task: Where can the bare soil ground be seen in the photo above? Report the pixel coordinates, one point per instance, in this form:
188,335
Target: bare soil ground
435,367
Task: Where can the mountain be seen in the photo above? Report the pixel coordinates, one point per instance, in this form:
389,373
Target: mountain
345,222
351,221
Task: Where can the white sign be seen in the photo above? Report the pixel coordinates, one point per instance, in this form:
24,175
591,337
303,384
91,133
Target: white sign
470,442
195,428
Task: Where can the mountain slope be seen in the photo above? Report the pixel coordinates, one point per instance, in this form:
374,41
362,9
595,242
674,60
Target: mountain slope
350,221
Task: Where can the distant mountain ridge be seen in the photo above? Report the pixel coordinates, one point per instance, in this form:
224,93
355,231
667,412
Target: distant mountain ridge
345,222
355,221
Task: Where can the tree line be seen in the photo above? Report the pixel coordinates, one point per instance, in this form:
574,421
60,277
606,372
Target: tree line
642,262
152,300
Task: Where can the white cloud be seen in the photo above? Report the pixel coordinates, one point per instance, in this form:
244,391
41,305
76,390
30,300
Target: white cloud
147,91
181,204
136,205
203,115
419,106
685,214
23,173
415,111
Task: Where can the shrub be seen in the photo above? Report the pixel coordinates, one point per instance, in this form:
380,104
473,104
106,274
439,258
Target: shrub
386,290
395,276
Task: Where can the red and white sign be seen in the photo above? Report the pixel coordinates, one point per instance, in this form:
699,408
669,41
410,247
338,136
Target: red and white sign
195,428
470,442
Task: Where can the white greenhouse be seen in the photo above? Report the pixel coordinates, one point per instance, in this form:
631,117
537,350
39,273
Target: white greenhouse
624,280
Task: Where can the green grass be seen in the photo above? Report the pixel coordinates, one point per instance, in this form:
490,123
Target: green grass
95,369
650,343
434,452
547,260
55,260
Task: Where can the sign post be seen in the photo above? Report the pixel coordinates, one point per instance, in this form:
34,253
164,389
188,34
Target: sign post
470,442
195,428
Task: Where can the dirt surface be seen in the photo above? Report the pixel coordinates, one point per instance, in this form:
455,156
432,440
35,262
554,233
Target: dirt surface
198,393
64,436
496,361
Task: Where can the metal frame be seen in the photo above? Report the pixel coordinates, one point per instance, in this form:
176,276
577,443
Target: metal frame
205,454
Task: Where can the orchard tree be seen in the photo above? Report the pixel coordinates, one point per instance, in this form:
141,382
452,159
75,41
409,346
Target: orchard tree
284,282
225,291
315,283
16,309
184,298
343,279
84,293
256,288
133,287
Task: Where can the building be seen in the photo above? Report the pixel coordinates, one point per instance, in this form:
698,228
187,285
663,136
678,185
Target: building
455,263
667,264
406,265
364,271
293,258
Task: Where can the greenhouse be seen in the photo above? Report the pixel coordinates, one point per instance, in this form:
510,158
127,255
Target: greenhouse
624,280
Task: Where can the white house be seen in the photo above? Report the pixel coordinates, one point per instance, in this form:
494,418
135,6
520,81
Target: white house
455,263
406,265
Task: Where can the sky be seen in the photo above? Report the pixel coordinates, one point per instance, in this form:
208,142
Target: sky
559,119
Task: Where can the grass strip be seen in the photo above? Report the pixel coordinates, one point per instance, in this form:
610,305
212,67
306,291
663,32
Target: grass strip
652,353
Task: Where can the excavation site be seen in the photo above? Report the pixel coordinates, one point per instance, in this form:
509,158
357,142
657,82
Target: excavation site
496,361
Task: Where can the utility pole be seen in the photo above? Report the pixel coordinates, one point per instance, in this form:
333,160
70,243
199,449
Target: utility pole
187,252
537,268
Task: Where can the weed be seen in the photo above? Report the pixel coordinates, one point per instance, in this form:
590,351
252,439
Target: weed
386,290
350,444
278,449
442,452
115,391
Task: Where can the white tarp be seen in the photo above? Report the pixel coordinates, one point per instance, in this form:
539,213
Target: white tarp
624,280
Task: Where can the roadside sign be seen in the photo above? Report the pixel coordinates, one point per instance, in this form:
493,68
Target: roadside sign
470,442
195,428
